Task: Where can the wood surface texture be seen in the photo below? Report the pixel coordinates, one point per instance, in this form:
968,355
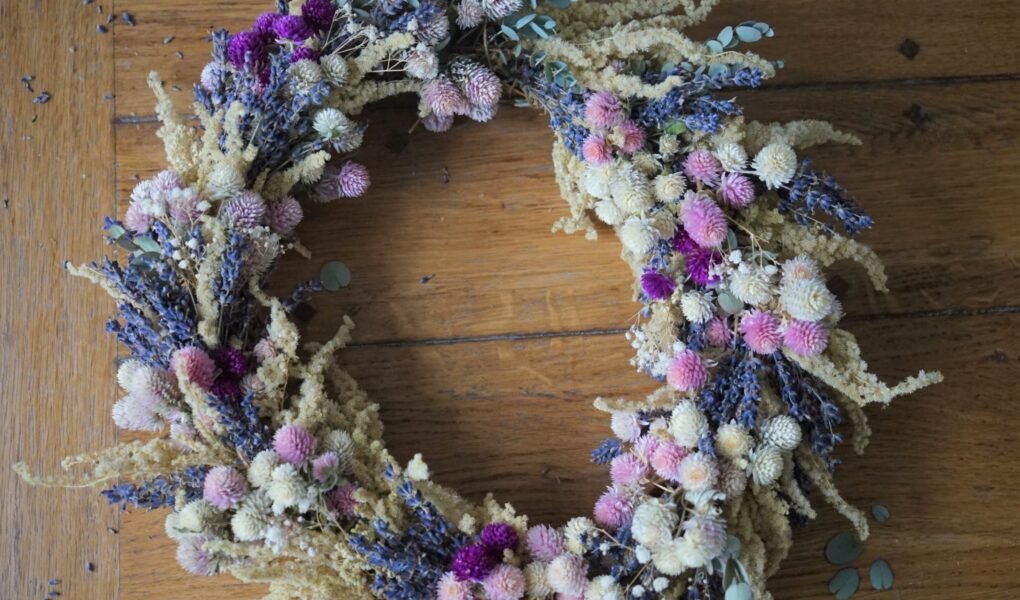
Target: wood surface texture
490,367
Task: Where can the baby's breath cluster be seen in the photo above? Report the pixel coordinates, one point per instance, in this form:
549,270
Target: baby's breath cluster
270,458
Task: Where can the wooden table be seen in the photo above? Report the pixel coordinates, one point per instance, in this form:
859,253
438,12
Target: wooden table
490,367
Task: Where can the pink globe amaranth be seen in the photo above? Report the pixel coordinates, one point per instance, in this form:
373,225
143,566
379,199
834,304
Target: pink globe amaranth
499,537
736,189
294,444
717,332
807,338
194,364
604,110
353,180
505,582
483,88
136,220
193,557
246,210
444,98
596,150
613,509
545,543
325,465
687,372
703,166
627,469
761,331
634,137
224,487
284,215
167,181
666,459
436,123
341,499
644,447
704,221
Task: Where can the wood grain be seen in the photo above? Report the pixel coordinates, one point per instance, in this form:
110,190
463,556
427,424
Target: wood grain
494,362
945,185
821,41
52,199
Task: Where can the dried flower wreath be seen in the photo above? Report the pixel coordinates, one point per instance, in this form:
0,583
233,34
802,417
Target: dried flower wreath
270,456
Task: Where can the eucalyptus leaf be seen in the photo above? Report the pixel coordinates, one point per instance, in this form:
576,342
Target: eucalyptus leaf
845,583
880,512
115,232
747,34
739,591
729,303
509,32
334,275
725,36
733,546
539,31
731,244
676,128
718,70
843,548
147,244
714,46
126,243
881,575
524,20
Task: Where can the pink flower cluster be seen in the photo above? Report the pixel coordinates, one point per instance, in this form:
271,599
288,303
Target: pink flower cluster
481,562
163,197
467,88
610,129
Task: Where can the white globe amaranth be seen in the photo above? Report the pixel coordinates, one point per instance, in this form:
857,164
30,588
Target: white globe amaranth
732,441
732,156
751,285
669,187
638,235
697,307
687,424
775,164
334,68
654,522
806,299
260,471
766,465
781,431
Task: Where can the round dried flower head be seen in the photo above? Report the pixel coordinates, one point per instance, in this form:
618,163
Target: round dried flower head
669,188
634,137
341,499
645,446
302,75
567,574
352,180
499,537
252,519
247,47
781,431
666,459
626,426
608,212
499,9
167,181
732,441
334,67
604,110
800,267
613,509
211,76
732,481
807,338
505,582
341,443
672,558
185,205
698,472
538,582
687,424
264,23
293,27
194,365
304,53
436,123
421,62
703,220
731,156
469,14
806,299
766,465
653,523
687,372
318,12
761,331
717,332
451,588
481,86
224,487
545,543
604,587
287,488
473,562
627,470
284,215
325,465
701,166
657,286
224,182
294,444
332,124
638,235
775,164
574,532
751,285
194,558
736,190
707,537
136,220
443,97
135,413
596,150
260,471
697,307
246,210
481,114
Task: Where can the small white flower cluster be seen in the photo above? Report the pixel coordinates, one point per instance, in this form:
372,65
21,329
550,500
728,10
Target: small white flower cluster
627,193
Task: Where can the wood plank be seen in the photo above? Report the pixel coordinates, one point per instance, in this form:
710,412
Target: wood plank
941,194
55,397
518,413
820,40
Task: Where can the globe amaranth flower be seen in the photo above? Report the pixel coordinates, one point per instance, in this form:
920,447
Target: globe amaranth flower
657,286
736,190
596,150
284,215
568,574
731,156
293,27
246,210
499,9
761,331
319,13
800,267
505,582
665,460
325,465
224,487
451,588
545,543
687,372
473,562
775,164
499,537
247,48
613,509
194,558
263,25
717,332
634,137
136,413
701,166
698,472
604,110
687,424
294,444
806,299
443,97
469,14
303,53
807,338
627,469
703,220
194,364
626,426
341,499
